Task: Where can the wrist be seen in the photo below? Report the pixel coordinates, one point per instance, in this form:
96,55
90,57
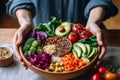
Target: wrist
24,17
96,15
25,28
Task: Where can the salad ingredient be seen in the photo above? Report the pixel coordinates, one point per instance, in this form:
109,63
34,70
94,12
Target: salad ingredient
55,58
77,27
107,72
28,44
41,60
90,40
50,49
40,36
73,37
71,63
63,45
111,76
84,50
84,33
56,67
82,47
95,76
102,70
49,27
93,53
31,47
52,40
63,29
77,51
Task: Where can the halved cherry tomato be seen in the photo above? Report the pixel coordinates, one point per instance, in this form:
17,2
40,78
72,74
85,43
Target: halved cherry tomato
73,37
84,34
77,27
111,76
95,76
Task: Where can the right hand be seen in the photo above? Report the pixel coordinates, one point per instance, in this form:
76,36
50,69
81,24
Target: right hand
18,40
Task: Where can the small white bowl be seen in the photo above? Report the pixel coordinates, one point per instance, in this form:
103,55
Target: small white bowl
6,56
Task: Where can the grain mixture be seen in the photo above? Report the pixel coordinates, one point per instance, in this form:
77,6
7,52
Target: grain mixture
62,45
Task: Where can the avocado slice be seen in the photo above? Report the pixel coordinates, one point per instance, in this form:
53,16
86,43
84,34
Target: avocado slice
93,53
89,49
74,53
85,59
63,29
83,47
78,50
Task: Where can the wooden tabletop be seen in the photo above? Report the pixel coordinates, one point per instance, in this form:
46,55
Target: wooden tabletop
111,37
6,35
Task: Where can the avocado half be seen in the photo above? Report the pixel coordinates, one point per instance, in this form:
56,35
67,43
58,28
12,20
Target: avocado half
63,29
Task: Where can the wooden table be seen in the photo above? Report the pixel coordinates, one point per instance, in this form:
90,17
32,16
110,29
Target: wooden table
111,37
6,35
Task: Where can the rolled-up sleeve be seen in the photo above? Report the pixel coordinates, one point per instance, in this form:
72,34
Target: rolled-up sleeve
110,8
13,5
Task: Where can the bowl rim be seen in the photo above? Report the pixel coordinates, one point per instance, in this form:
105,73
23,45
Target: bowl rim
11,52
26,61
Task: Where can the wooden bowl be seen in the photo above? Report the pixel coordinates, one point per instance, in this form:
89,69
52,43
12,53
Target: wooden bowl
7,59
59,75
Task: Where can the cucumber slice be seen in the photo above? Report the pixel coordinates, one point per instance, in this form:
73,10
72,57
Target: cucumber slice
92,54
78,50
83,47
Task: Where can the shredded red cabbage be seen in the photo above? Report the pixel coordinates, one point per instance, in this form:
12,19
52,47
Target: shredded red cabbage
40,36
41,60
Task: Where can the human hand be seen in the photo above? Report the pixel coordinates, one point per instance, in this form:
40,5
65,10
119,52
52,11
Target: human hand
94,28
18,39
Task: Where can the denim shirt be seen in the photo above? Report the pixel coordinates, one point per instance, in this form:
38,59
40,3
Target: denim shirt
76,11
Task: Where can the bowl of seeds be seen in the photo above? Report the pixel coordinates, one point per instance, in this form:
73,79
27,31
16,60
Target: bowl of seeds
6,56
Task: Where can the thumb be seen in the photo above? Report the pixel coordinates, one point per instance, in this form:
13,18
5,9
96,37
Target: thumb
99,38
20,39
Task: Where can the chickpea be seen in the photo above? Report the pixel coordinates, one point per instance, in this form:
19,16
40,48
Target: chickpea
56,69
61,64
52,64
52,68
57,64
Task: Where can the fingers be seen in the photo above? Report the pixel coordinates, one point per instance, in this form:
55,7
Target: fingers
102,53
99,38
94,28
24,65
17,41
16,47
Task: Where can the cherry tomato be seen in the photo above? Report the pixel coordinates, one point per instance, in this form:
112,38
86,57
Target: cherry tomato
77,27
111,76
84,34
73,37
95,76
102,70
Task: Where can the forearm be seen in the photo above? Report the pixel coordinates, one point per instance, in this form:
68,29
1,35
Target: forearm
24,17
96,15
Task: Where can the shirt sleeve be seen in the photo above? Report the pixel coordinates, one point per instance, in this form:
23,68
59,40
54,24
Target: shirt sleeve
13,5
110,8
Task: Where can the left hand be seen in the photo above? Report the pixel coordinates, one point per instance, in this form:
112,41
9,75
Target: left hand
94,28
